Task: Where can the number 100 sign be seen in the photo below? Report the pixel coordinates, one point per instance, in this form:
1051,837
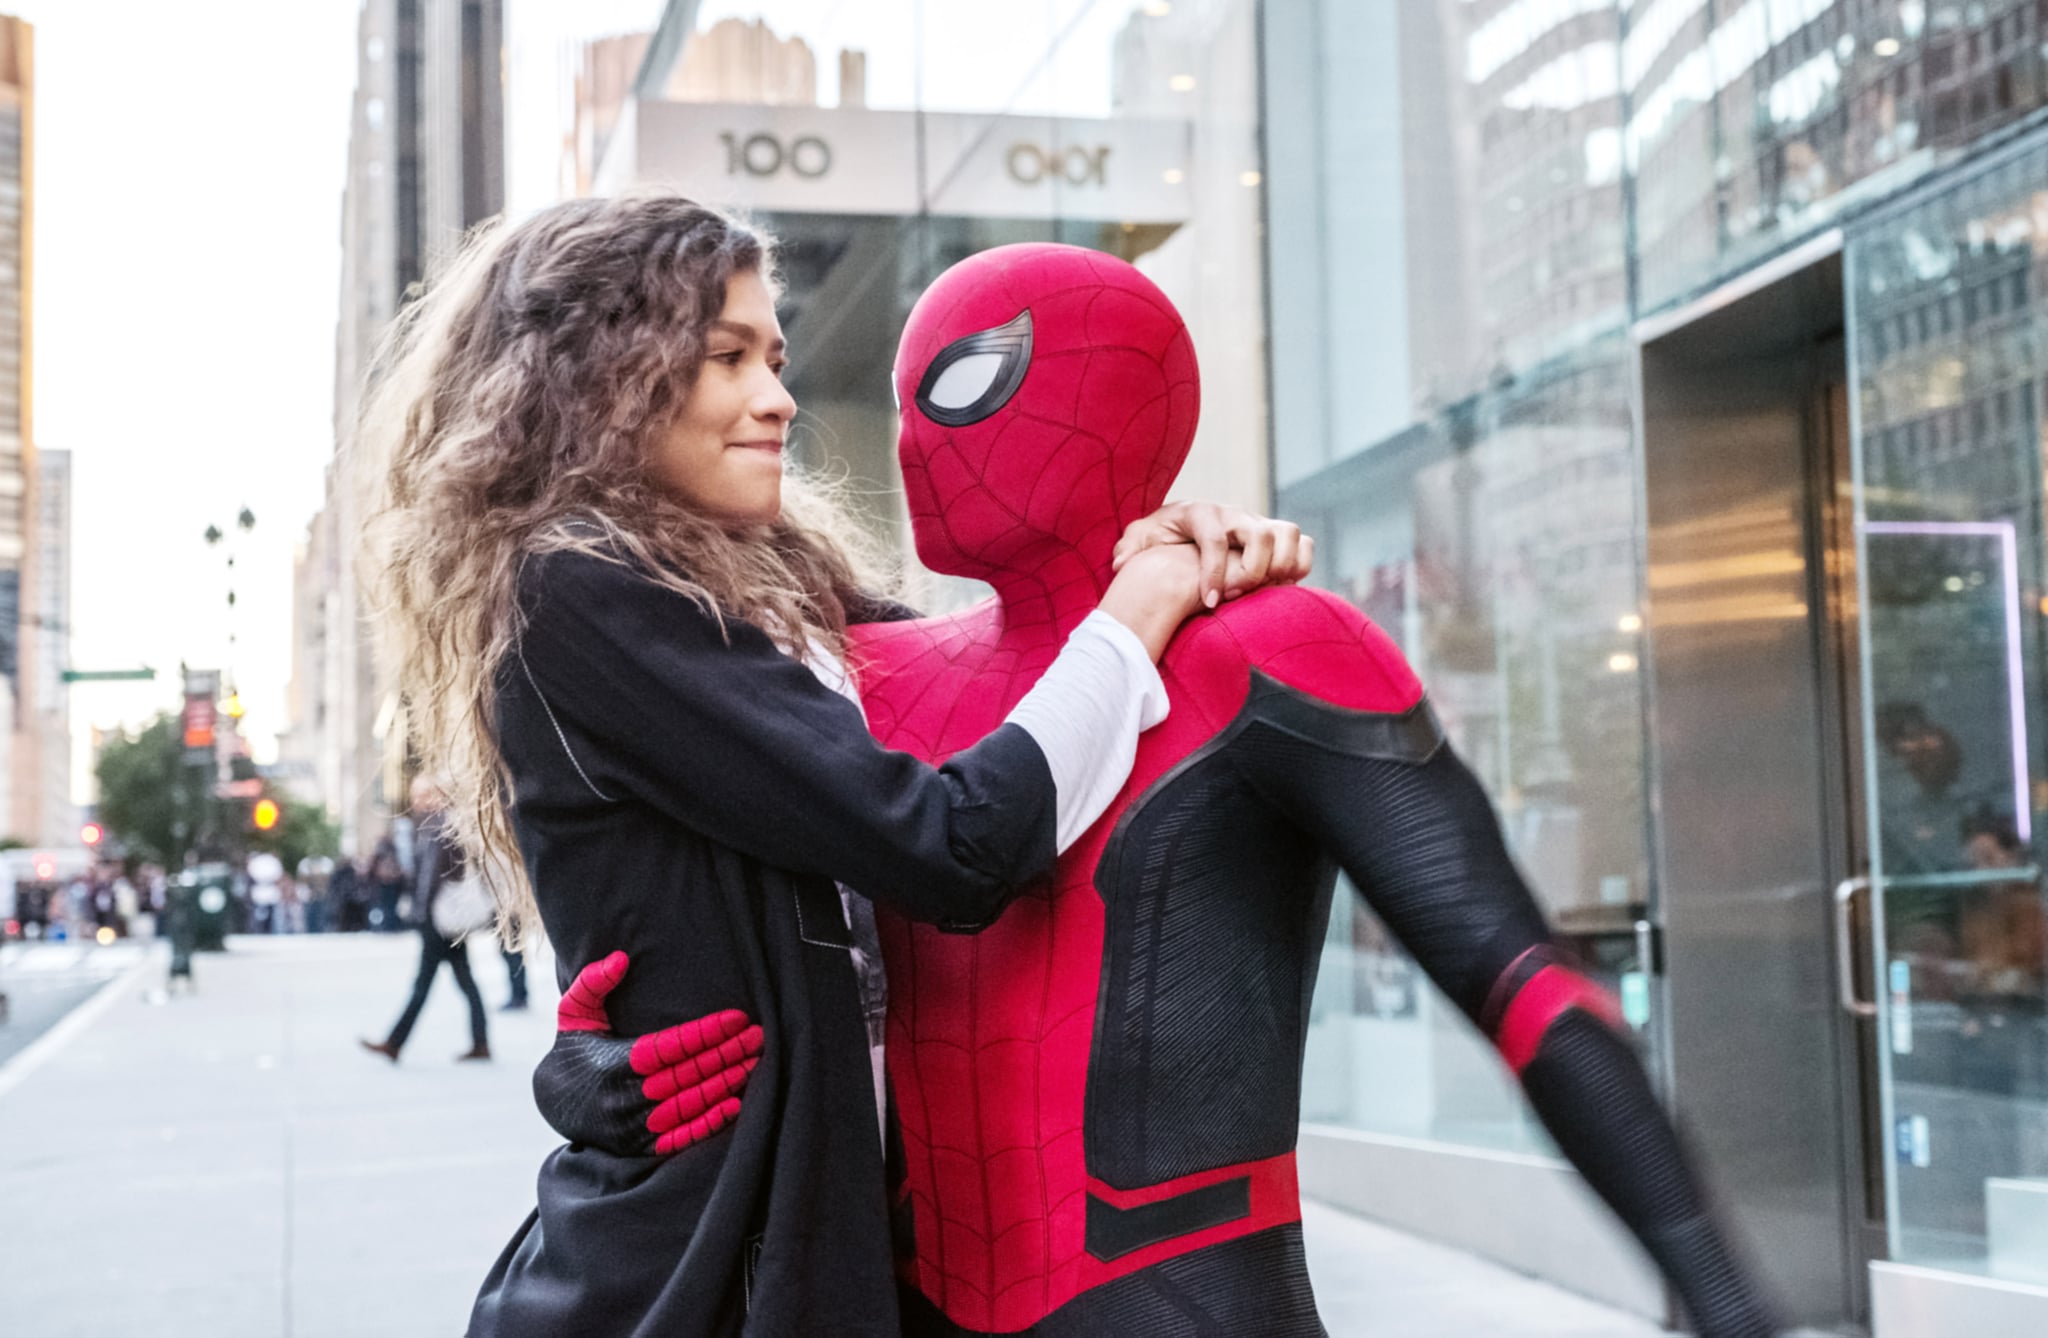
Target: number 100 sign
765,155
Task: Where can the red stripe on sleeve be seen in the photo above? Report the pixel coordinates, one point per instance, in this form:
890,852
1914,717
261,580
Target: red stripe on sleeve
1549,995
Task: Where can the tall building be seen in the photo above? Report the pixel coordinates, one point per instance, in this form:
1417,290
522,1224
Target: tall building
606,69
425,163
738,60
52,609
18,630
461,120
310,751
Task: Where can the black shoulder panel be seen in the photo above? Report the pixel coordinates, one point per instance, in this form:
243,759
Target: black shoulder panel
1414,735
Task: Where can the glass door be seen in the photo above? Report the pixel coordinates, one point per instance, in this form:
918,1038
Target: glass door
1946,325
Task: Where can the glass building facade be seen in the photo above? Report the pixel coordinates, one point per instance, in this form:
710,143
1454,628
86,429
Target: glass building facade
1600,343
1948,335
1482,218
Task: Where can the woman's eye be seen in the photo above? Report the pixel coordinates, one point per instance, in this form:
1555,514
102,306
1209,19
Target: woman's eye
731,357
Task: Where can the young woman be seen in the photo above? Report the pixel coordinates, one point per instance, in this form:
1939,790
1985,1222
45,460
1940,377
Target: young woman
619,627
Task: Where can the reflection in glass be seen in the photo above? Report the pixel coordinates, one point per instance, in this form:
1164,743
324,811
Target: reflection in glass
1946,328
1754,123
1509,580
1449,287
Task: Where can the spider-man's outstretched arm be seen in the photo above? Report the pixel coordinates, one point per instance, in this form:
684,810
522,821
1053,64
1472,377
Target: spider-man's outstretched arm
1411,825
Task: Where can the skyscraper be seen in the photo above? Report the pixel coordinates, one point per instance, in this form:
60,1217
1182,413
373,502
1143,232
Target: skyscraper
17,436
425,163
51,609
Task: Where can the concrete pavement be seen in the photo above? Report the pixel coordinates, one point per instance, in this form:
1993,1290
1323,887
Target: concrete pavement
231,1165
43,982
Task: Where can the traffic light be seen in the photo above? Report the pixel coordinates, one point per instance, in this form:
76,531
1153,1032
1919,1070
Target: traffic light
92,833
265,814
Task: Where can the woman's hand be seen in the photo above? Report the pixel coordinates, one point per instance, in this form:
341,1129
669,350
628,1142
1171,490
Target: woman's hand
1156,589
656,1094
1269,552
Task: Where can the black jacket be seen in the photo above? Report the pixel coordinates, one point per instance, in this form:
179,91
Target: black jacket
688,793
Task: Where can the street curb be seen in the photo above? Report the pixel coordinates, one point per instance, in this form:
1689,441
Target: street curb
37,1052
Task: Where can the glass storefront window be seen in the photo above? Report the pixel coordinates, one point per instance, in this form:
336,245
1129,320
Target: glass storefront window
1497,545
1948,324
1449,295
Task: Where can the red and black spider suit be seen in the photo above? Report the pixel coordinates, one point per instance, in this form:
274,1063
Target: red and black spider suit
1098,1093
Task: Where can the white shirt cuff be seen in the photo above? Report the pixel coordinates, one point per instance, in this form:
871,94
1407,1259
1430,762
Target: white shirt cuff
1086,712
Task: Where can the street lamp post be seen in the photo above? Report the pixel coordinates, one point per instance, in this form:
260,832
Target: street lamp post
245,521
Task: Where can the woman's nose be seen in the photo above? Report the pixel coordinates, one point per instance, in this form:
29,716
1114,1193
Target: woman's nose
775,402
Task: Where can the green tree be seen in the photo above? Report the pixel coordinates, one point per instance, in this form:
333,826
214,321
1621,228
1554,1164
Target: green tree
160,807
150,799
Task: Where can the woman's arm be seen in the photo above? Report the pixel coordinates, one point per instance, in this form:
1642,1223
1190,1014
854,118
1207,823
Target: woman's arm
653,699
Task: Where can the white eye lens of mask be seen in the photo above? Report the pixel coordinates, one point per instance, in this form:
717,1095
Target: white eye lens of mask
966,380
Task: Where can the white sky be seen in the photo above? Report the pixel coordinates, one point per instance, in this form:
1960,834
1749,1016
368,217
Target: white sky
188,160
189,163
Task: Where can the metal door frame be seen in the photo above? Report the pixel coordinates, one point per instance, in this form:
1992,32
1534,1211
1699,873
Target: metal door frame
1831,511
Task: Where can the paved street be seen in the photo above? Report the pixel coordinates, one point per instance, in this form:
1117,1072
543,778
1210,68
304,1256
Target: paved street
43,982
230,1165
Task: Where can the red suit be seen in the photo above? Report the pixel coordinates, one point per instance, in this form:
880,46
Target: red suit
1098,1093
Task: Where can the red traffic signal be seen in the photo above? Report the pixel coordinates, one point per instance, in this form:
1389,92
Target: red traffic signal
265,814
92,833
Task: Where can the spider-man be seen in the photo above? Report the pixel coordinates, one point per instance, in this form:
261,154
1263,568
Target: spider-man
1097,1095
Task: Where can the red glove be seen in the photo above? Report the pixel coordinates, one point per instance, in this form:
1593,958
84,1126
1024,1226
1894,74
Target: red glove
651,1095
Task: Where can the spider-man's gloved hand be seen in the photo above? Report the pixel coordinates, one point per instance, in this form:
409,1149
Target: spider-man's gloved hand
645,1096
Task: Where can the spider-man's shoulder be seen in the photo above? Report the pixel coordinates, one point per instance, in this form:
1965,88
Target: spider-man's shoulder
895,645
1308,639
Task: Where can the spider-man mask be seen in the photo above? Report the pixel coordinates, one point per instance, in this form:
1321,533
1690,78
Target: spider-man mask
1049,395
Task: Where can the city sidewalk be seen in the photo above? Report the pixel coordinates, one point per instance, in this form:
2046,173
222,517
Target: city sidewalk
231,1165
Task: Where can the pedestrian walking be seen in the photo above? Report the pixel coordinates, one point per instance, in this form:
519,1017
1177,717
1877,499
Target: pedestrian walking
437,862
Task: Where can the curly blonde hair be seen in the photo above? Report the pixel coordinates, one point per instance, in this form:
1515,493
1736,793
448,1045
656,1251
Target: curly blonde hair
519,389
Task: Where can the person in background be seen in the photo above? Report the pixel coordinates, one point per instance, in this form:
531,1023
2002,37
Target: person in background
387,877
312,875
515,970
291,905
266,871
148,905
127,905
437,860
348,898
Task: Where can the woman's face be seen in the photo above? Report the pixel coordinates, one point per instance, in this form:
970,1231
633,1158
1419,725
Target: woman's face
723,455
